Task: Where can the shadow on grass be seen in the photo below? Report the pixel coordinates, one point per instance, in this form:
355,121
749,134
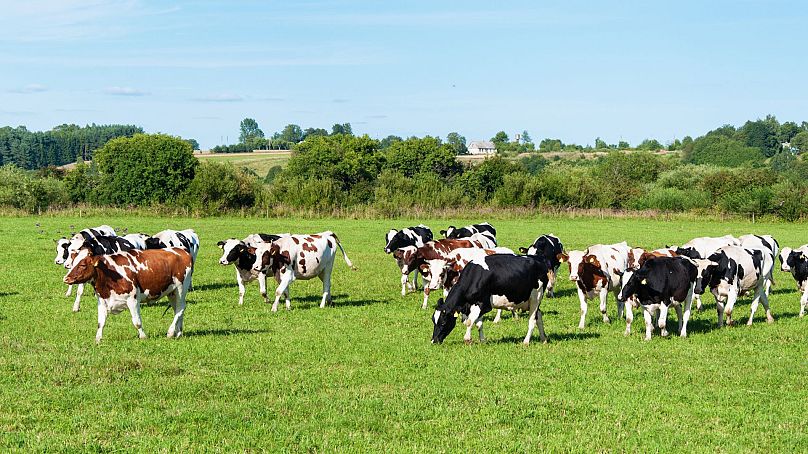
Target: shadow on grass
214,286
785,291
3,294
224,332
562,293
551,337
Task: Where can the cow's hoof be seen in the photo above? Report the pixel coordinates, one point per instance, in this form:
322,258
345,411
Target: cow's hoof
525,343
683,335
664,333
627,333
467,341
141,336
749,323
606,319
770,319
97,340
647,338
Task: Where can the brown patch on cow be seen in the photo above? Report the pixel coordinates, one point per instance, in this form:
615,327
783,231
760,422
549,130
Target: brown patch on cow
302,254
562,257
302,264
590,275
297,241
308,239
316,236
634,261
161,267
591,259
309,247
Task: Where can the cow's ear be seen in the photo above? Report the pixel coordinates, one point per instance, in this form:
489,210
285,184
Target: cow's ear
591,260
562,257
251,250
220,244
523,250
424,267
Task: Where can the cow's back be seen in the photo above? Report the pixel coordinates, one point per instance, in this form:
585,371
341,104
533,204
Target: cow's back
512,276
160,270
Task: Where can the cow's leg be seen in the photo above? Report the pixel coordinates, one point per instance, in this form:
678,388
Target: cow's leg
262,287
134,311
804,301
69,290
177,299
679,318
325,276
621,305
663,319
474,314
77,302
629,317
498,316
405,279
551,280
719,308
731,299
535,317
765,299
649,321
415,281
604,295
426,297
755,302
102,319
699,307
686,316
241,288
582,299
283,284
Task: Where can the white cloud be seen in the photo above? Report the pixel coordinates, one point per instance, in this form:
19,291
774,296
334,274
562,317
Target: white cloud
30,88
221,97
124,91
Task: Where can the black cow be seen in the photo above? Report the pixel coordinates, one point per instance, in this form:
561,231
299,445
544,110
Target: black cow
798,265
105,245
469,230
551,248
662,282
411,236
501,281
732,271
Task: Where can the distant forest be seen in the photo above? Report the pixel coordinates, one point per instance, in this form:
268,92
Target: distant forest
61,145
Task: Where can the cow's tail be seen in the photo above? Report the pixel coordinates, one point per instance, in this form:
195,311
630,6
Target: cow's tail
344,255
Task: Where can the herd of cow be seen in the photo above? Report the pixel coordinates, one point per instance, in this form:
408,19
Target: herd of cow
475,274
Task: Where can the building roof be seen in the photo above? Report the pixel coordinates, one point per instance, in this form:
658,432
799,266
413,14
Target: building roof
482,144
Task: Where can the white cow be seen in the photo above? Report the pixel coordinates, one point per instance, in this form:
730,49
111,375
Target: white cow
597,271
299,257
703,247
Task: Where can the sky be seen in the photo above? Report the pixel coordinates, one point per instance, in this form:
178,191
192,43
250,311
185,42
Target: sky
574,70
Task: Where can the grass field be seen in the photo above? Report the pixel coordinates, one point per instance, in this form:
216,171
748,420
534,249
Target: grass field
259,162
363,376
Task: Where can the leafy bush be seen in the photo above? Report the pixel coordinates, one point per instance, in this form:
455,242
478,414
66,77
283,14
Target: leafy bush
219,186
18,189
144,169
672,199
722,151
81,183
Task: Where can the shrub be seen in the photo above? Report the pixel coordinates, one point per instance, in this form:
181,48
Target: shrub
18,189
722,151
219,186
672,199
81,183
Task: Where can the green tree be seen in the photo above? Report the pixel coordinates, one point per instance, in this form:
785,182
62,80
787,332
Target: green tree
344,128
551,145
787,131
389,140
500,138
526,137
800,142
422,155
722,151
291,134
193,143
219,186
344,159
457,142
623,145
144,169
600,144
249,131
311,132
650,145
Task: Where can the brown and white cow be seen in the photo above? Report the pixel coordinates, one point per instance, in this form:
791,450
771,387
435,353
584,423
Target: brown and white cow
124,280
299,257
597,271
410,259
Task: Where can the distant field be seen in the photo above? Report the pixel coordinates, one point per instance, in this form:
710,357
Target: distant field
259,162
363,376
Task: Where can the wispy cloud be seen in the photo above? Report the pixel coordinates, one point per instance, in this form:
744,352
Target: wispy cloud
125,91
30,88
221,97
341,100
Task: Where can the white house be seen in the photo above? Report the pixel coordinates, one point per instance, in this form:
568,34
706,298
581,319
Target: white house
482,147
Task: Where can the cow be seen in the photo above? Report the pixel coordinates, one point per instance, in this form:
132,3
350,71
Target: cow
485,229
444,271
732,271
410,237
242,255
786,251
597,271
138,240
411,259
299,257
68,252
502,281
703,247
124,280
797,262
186,239
551,248
659,283
765,244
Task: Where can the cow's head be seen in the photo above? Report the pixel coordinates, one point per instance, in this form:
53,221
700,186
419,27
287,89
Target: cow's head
154,243
231,250
443,322
688,252
590,272
632,280
798,265
706,270
84,267
387,239
573,259
784,253
435,272
449,232
62,245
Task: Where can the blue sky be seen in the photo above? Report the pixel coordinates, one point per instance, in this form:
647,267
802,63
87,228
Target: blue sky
573,70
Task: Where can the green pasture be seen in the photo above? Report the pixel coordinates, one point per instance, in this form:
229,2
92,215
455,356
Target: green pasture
259,162
361,375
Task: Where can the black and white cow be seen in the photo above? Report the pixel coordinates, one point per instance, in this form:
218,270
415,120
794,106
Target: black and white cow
551,248
242,255
703,247
659,283
465,232
410,237
732,271
501,281
797,262
786,251
138,240
765,244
